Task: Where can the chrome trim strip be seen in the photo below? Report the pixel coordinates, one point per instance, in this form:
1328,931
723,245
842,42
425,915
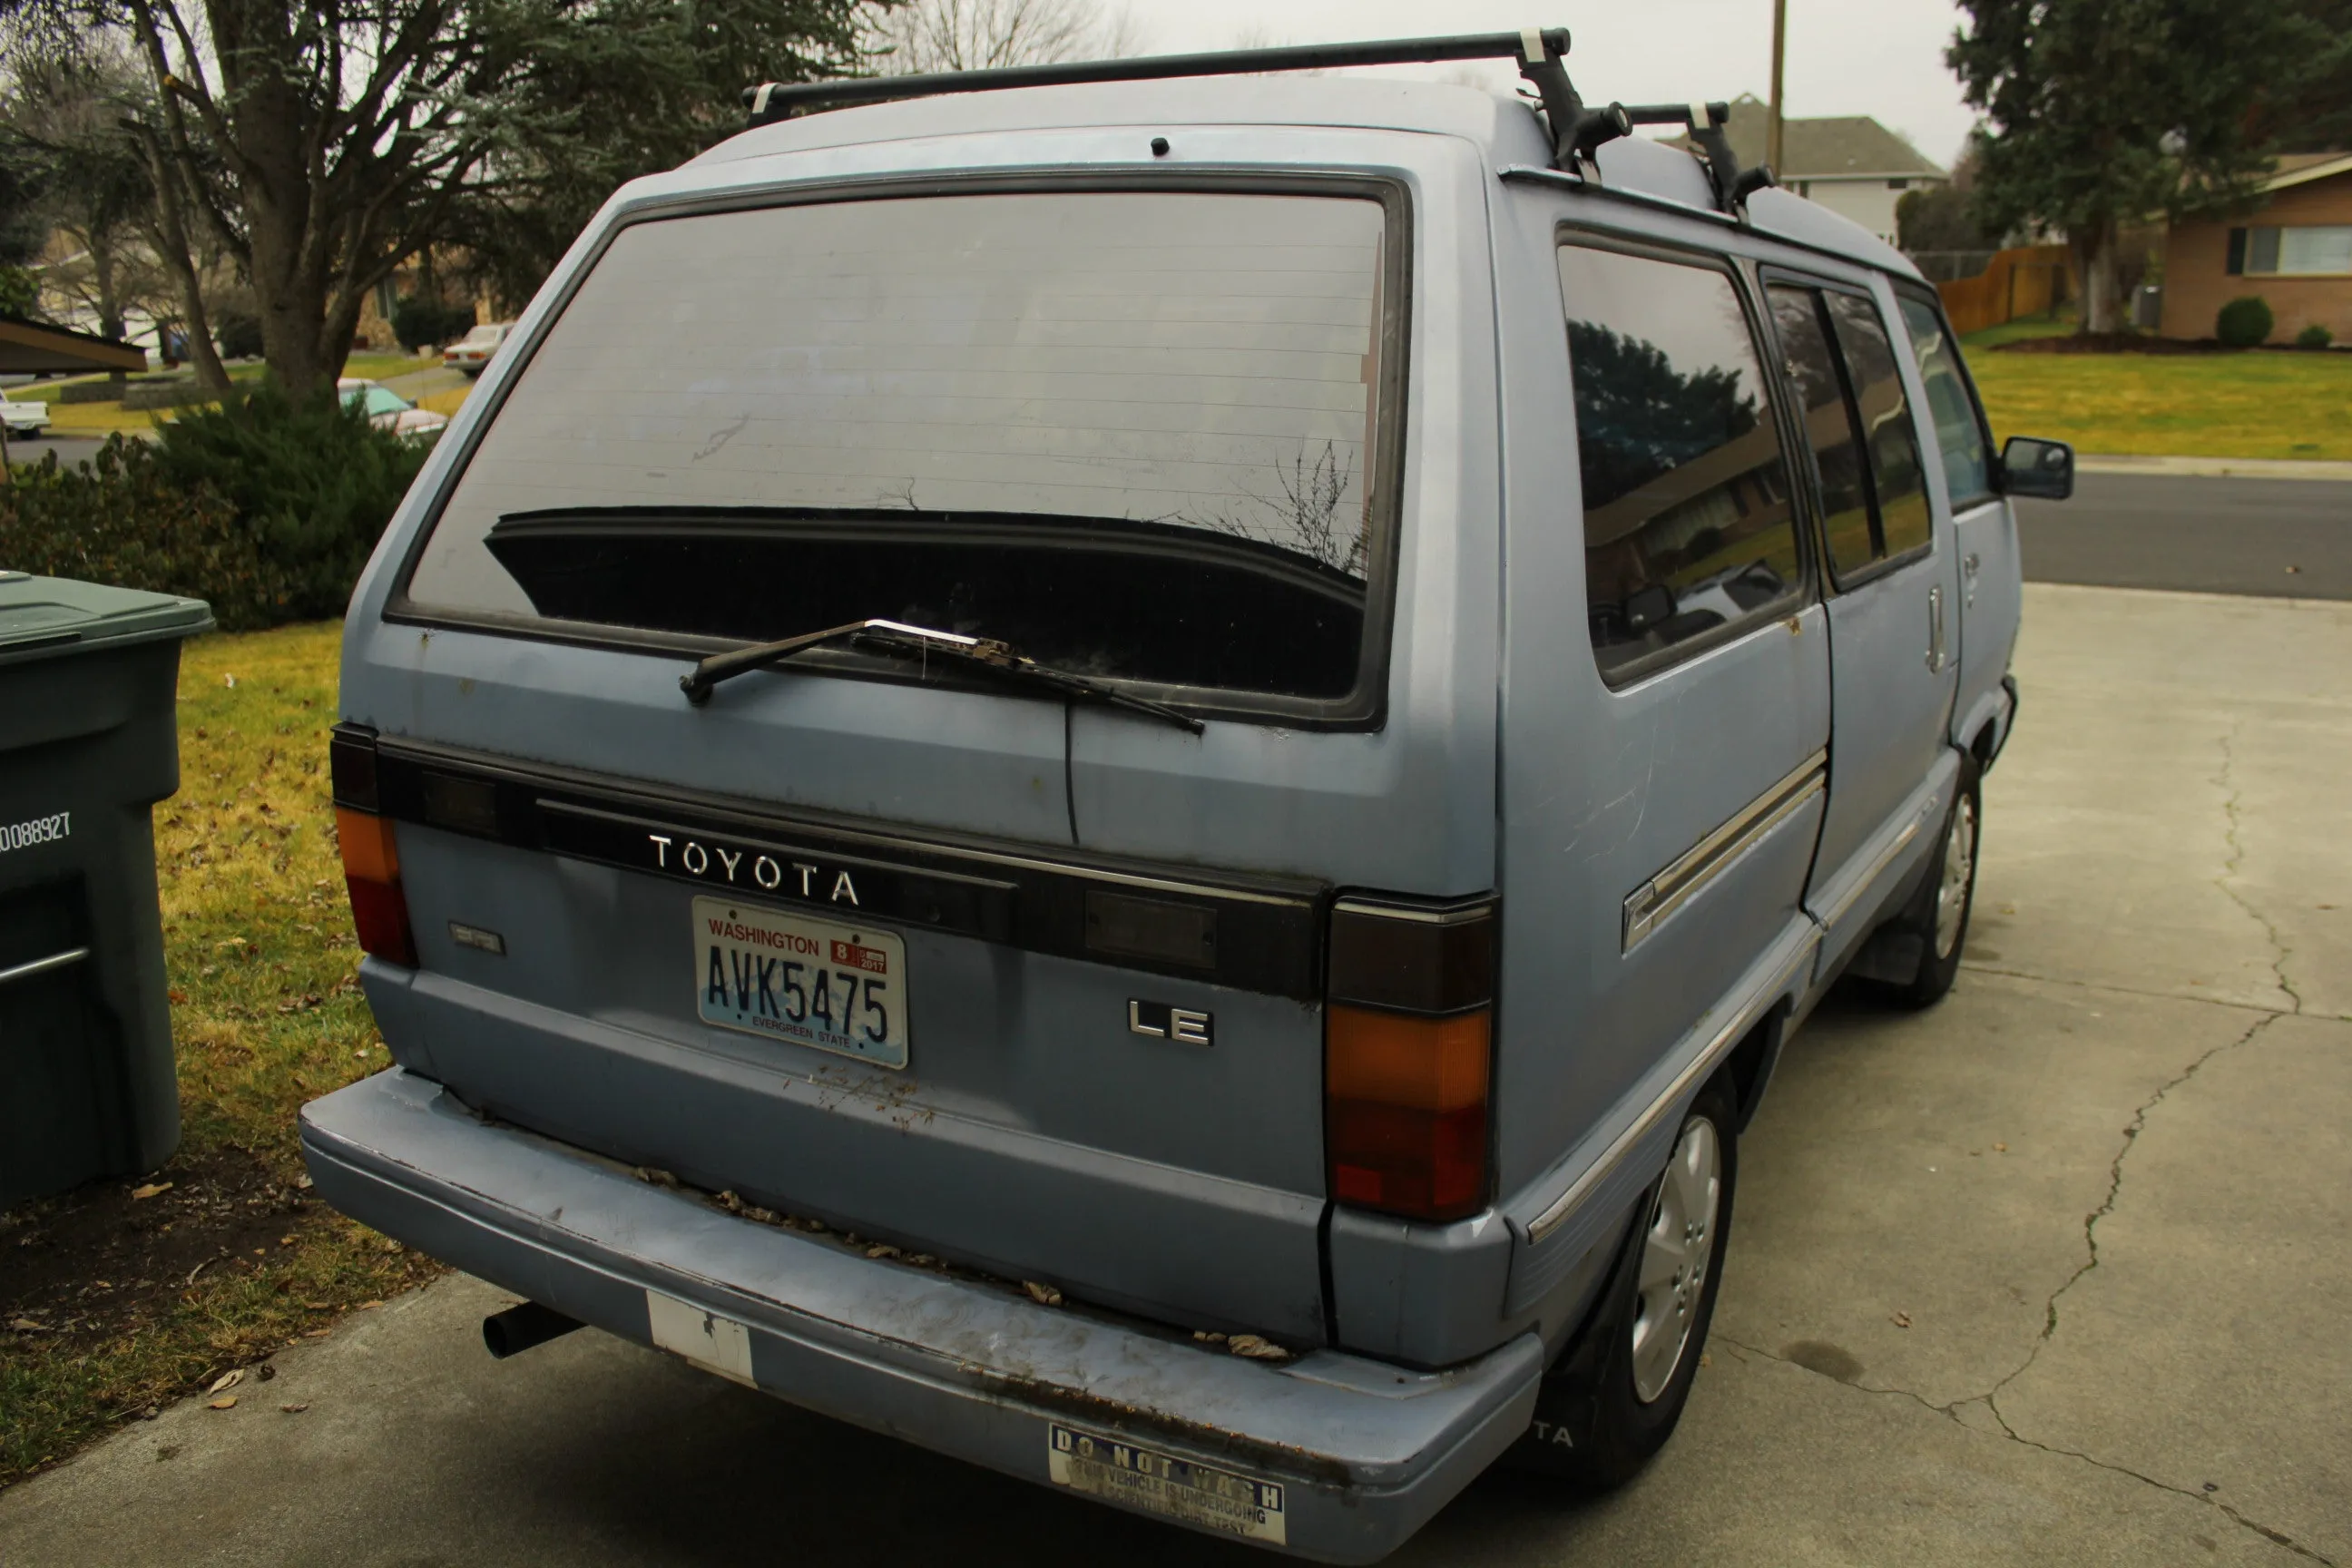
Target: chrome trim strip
1624,1143
1480,908
1878,864
27,970
1649,906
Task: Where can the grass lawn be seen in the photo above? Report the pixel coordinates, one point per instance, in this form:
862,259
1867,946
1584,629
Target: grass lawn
266,1013
110,419
2247,405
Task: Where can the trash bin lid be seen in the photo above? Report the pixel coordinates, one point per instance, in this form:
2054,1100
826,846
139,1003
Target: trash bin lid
45,618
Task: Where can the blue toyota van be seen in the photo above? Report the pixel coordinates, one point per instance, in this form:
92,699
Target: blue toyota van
1131,770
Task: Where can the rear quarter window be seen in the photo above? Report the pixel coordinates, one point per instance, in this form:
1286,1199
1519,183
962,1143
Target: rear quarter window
1137,435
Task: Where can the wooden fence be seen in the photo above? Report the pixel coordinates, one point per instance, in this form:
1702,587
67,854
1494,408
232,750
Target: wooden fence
2027,280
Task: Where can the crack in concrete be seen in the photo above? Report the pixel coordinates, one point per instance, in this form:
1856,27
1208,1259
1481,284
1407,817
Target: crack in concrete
2115,1190
2227,781
2109,986
1952,1413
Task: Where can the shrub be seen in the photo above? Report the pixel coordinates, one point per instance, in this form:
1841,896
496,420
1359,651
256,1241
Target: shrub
311,482
2314,336
2243,322
420,323
122,520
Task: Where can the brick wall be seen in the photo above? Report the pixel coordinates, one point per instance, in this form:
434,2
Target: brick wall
2197,282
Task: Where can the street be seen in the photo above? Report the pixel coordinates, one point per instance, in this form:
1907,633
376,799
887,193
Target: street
2280,538
2050,1273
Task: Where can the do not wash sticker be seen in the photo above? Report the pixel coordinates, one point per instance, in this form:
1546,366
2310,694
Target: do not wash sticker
1160,1483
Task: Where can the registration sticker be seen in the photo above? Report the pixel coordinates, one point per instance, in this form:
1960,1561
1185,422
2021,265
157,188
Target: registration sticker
1159,1483
836,987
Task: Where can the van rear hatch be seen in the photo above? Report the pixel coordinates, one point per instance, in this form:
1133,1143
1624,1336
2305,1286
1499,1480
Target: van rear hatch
836,940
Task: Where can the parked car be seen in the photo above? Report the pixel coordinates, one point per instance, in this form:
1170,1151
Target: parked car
387,410
23,417
1138,779
473,352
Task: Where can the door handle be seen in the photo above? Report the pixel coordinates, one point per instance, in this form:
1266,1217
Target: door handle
1935,629
1969,564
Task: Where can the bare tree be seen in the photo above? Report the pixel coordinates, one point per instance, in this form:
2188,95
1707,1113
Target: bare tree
981,35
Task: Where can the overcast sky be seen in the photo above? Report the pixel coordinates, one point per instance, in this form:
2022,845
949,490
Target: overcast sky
1879,58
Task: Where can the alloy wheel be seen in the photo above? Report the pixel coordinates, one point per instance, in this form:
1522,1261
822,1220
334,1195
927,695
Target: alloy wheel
1675,1254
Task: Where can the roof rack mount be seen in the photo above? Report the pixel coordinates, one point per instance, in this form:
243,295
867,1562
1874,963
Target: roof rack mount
1577,132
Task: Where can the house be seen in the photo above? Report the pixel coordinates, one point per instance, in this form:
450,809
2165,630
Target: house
2294,250
1849,163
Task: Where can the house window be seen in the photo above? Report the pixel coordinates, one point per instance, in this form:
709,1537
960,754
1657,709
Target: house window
2306,250
1899,184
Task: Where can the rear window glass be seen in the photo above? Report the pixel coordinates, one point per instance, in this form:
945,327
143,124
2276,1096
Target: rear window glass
1134,434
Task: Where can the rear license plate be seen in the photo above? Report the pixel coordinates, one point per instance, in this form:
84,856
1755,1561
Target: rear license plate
836,987
1159,1483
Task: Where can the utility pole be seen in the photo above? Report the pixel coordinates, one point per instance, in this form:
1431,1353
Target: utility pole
1772,114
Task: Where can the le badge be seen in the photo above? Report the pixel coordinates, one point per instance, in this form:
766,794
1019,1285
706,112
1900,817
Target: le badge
1162,1022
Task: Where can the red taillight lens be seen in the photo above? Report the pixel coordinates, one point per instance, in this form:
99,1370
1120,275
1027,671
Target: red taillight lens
1408,1044
371,871
1405,1110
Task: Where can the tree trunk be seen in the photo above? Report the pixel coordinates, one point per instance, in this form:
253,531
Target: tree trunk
171,240
2095,257
105,266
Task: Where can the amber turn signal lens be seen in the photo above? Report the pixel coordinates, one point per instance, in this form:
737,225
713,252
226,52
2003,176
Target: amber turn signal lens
1405,1110
372,872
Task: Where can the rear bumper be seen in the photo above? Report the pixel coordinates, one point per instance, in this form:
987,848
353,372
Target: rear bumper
1364,1452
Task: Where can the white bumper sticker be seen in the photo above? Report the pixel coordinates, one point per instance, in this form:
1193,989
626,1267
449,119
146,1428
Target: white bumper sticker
711,1343
1223,1500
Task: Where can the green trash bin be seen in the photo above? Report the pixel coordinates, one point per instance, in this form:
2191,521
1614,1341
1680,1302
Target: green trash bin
89,688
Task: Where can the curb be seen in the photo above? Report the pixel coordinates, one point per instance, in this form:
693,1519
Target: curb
2215,467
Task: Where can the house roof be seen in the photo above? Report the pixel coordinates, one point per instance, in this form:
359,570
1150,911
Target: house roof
2302,168
1852,146
35,348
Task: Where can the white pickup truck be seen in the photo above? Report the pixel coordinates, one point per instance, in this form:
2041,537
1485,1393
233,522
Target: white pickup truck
25,417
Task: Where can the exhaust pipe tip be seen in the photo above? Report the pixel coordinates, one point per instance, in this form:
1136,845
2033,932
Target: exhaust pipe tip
519,1328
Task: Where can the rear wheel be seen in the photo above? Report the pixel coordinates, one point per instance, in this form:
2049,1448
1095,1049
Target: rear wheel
1614,1399
1936,924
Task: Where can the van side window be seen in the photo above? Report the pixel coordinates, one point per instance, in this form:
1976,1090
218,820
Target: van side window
1951,404
1687,525
1829,425
1896,470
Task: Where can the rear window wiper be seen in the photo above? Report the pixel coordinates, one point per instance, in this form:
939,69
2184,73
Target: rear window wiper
986,655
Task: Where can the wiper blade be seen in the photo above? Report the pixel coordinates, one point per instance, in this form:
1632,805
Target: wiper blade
985,654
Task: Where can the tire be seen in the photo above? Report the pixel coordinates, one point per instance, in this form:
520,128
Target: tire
1936,922
1613,1401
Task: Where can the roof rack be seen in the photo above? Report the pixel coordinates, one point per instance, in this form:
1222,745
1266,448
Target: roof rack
1577,132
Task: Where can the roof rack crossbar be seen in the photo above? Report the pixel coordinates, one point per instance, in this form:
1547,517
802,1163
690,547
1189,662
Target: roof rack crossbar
1576,131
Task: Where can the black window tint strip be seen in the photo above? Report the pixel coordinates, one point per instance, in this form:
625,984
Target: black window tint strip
1266,932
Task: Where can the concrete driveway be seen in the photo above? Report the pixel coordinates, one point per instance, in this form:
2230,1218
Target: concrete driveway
2054,1274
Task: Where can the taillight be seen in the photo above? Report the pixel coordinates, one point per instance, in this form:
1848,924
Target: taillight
1408,1052
370,853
